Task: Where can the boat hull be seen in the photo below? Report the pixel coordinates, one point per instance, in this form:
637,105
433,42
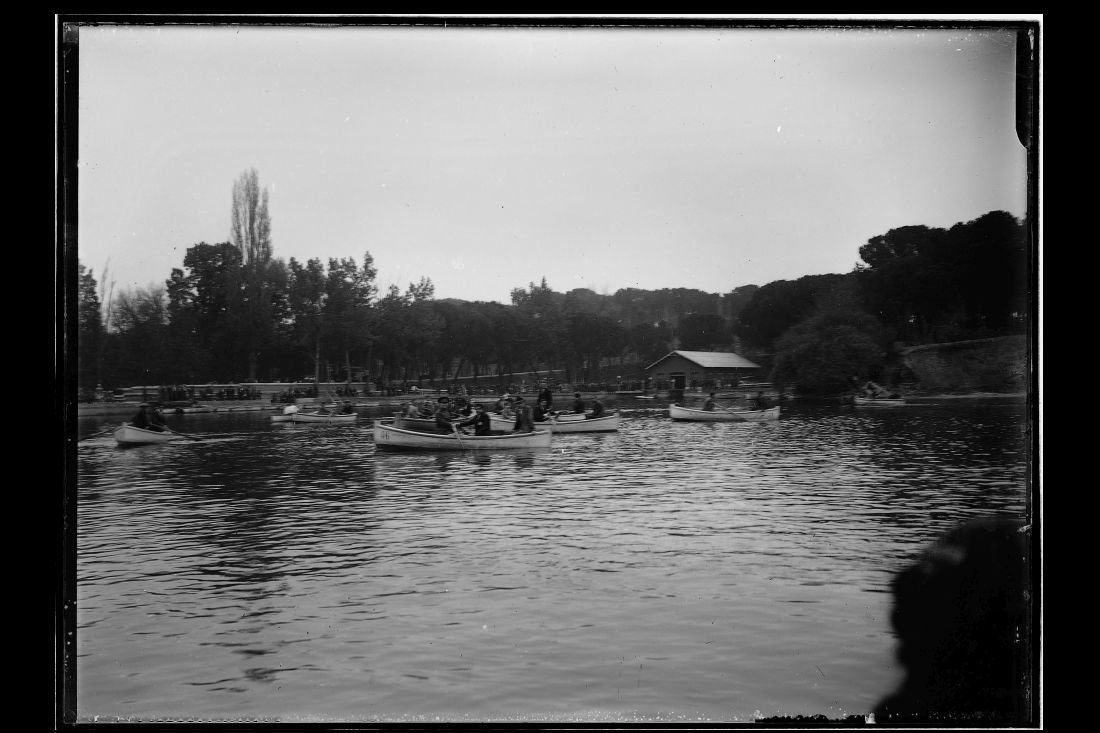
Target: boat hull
314,417
878,402
418,424
567,424
388,436
127,434
678,412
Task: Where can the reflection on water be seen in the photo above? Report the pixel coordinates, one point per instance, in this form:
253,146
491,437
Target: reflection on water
670,571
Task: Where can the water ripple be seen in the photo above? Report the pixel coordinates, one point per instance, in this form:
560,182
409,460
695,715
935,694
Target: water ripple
668,571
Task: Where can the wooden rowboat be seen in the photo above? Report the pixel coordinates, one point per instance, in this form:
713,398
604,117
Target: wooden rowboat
879,401
573,423
127,434
323,418
419,424
388,436
722,414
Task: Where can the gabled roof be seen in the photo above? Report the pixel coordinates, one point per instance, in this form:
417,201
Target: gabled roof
711,359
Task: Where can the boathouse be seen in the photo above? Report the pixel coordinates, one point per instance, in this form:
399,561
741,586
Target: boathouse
680,370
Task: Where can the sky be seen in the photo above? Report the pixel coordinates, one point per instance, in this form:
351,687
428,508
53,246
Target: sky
489,158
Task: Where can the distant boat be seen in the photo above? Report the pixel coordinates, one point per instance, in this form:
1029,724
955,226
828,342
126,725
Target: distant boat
386,435
879,401
722,414
127,434
323,417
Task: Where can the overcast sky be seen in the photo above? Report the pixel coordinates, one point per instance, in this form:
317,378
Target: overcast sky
488,158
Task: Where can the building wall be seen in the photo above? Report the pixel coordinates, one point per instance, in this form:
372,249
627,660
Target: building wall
693,371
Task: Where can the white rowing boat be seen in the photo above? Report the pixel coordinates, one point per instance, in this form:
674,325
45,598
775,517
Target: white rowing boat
323,417
386,435
879,401
722,414
127,434
572,423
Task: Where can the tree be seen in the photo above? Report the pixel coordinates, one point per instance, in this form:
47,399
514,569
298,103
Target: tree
91,333
934,285
349,290
703,332
250,232
141,319
822,354
782,304
306,300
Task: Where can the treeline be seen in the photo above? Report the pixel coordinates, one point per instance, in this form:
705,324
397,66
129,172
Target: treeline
234,313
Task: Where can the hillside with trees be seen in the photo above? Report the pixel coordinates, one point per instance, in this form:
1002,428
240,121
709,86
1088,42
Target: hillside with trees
233,312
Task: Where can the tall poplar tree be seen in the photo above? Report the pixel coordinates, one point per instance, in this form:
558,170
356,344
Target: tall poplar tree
250,232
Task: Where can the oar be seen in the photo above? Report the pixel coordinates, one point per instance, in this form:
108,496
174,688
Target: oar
458,437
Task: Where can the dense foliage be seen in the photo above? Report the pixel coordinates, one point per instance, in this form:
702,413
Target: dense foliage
233,312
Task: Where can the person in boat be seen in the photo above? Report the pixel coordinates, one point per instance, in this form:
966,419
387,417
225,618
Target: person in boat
542,412
525,422
427,409
290,409
546,395
483,424
156,420
597,410
444,417
708,406
759,402
462,408
578,404
347,409
508,409
504,401
874,391
143,419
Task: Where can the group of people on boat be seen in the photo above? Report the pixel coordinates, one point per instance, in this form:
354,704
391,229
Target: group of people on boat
343,408
149,418
759,402
877,391
455,415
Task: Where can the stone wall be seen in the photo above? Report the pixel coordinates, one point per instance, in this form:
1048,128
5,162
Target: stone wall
984,365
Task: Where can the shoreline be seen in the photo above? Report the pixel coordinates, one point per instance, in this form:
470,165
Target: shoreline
126,408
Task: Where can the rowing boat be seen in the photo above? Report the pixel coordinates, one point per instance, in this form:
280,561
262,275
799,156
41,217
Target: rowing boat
323,417
722,414
572,423
127,434
418,424
386,435
879,401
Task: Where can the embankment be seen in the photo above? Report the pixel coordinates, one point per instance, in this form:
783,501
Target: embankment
983,365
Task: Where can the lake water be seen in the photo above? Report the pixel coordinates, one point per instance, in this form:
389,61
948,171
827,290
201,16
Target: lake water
672,572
